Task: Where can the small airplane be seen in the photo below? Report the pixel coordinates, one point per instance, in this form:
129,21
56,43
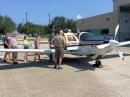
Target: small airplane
95,51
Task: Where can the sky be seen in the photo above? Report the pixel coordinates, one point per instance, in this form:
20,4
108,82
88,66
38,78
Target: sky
38,10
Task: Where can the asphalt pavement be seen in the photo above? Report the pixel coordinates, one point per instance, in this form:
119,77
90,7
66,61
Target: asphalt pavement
78,78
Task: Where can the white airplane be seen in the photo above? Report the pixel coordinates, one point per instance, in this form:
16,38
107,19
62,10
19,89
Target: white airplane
96,51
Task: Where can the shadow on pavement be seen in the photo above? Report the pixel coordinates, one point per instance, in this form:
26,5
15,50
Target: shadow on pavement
79,63
43,64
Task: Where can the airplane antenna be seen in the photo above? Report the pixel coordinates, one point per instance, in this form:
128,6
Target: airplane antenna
78,31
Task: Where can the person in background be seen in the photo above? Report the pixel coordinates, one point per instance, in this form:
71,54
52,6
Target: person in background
6,42
26,46
14,46
36,46
50,46
59,44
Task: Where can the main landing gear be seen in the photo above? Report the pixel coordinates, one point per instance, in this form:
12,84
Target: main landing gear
98,63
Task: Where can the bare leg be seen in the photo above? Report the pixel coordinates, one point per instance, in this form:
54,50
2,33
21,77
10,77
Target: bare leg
56,61
9,57
25,56
35,57
59,63
39,56
5,56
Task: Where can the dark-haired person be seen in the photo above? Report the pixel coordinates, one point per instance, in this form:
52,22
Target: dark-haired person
6,43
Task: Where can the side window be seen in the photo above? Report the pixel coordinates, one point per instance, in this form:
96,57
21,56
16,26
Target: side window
71,38
84,37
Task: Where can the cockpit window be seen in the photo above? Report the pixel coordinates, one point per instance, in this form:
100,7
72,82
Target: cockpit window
71,38
87,36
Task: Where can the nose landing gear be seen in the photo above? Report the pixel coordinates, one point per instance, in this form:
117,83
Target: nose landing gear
98,63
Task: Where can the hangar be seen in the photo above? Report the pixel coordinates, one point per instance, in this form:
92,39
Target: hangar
104,24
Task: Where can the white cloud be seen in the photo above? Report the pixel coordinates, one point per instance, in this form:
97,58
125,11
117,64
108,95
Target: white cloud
79,16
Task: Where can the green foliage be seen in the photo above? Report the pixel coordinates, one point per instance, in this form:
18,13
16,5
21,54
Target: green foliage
62,23
56,24
6,24
31,28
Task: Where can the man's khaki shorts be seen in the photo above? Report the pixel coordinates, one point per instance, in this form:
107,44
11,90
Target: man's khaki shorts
59,52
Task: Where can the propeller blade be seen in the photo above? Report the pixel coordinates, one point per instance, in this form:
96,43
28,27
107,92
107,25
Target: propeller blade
124,43
116,30
120,53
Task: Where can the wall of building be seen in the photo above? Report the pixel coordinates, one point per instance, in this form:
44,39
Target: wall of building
124,26
104,21
118,3
110,20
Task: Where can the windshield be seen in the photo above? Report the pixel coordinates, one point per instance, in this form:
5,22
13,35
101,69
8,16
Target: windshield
87,36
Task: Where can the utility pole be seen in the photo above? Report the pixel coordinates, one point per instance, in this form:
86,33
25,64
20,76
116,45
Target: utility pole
26,23
49,18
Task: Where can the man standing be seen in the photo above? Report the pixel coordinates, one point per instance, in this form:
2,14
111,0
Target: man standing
6,42
50,45
14,46
36,46
59,44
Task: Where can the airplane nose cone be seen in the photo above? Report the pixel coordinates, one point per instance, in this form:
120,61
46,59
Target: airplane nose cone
114,42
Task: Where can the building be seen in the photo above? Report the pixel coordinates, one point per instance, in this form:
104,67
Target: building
105,24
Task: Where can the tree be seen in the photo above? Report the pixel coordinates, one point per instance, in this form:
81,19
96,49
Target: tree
56,24
63,23
31,28
6,24
21,28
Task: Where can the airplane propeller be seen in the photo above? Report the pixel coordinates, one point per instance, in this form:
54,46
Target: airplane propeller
116,43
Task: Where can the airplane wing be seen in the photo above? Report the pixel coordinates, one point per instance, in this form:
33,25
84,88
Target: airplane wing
41,42
44,51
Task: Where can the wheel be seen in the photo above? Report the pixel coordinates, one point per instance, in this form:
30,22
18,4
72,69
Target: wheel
98,64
